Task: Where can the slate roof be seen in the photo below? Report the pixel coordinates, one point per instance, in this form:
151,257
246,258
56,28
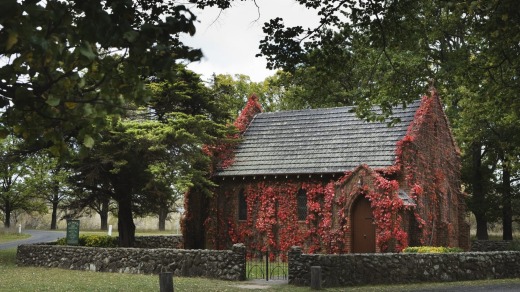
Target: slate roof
317,141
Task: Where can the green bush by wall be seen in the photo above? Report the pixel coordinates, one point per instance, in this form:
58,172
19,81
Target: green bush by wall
93,240
431,249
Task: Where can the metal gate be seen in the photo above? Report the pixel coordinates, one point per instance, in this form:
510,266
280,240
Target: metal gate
268,265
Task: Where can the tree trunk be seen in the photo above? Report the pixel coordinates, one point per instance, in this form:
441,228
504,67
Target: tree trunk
479,199
7,219
125,223
54,223
163,214
482,233
507,211
55,201
103,214
196,213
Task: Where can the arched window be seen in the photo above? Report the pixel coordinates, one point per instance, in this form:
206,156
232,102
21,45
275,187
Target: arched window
301,199
242,205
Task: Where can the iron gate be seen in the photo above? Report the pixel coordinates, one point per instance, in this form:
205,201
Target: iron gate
266,265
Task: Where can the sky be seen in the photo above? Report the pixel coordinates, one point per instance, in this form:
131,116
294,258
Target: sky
229,39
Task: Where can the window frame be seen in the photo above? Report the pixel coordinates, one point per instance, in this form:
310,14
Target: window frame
242,206
301,205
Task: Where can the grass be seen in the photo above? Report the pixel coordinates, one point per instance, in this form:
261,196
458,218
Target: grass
6,236
116,233
13,278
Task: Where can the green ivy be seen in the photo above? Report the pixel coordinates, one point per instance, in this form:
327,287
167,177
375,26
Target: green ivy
514,245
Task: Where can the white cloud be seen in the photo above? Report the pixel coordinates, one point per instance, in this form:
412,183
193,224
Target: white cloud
229,39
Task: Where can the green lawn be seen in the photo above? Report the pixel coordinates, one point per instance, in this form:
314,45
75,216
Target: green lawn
137,232
13,278
6,236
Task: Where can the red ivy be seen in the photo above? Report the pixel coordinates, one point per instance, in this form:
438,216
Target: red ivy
222,152
272,221
386,205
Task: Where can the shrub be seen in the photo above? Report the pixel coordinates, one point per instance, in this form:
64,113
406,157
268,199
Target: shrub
514,245
431,249
92,241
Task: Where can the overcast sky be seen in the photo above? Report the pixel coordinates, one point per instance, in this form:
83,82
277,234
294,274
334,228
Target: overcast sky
229,39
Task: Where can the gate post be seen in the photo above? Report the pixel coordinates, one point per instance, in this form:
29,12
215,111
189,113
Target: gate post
239,250
295,266
267,265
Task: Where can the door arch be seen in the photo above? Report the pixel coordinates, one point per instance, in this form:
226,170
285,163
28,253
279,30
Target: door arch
363,227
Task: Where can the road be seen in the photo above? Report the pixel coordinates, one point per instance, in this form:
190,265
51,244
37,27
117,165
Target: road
36,236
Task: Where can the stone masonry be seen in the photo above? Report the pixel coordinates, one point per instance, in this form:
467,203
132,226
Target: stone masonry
394,268
216,264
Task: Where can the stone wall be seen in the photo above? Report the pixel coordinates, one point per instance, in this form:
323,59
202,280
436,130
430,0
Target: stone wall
389,268
216,264
159,241
491,245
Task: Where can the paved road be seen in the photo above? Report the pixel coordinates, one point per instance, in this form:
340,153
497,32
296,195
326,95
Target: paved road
481,288
258,284
36,236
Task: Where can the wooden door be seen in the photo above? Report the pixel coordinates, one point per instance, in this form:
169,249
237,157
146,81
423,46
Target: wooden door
363,228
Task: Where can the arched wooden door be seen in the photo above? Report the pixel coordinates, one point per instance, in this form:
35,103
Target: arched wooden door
363,228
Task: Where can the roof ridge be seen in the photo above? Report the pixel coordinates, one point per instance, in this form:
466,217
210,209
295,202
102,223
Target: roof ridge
349,108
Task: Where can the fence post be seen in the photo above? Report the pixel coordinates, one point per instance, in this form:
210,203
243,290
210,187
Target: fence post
267,265
315,278
166,282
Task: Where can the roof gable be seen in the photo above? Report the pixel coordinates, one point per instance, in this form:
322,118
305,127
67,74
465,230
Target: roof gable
330,140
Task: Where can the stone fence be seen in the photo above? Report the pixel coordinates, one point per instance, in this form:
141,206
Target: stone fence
491,245
387,268
159,241
216,264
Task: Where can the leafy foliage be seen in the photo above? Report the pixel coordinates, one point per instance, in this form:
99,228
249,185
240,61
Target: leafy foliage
431,249
48,178
148,160
15,193
92,240
69,64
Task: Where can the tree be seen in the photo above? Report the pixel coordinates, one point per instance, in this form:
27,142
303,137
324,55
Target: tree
164,195
132,154
47,178
66,65
307,88
71,69
378,46
90,192
14,193
232,92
